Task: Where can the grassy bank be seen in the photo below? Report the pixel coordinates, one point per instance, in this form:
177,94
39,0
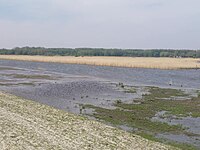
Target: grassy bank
134,62
28,125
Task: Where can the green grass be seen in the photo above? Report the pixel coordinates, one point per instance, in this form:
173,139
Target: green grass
155,102
137,119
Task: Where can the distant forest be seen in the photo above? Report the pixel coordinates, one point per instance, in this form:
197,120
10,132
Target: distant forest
100,52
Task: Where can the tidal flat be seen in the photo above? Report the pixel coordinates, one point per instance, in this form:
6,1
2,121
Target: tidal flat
159,105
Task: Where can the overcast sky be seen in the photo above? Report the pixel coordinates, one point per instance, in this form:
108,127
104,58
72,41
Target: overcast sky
100,23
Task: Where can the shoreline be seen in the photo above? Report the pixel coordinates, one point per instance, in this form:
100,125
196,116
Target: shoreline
30,125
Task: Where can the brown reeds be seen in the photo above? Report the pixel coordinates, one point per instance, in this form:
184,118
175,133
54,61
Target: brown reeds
133,62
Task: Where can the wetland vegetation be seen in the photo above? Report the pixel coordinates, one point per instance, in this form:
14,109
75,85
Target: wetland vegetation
139,114
130,62
149,106
23,76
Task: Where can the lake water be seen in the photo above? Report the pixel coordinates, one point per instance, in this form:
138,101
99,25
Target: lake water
131,76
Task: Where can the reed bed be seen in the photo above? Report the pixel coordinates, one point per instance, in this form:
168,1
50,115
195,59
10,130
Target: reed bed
133,62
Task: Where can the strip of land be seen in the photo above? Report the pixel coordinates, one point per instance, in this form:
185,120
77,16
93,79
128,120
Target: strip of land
29,125
133,62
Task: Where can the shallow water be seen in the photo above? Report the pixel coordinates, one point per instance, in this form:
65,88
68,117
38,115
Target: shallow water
74,85
131,76
63,91
190,123
195,141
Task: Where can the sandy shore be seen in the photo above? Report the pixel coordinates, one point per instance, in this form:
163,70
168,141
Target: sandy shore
134,62
28,125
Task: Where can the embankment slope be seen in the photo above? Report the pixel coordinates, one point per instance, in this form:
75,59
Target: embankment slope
29,125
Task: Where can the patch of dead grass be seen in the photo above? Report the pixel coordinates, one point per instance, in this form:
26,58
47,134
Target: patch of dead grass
133,62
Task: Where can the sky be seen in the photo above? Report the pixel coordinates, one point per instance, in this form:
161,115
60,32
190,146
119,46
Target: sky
100,23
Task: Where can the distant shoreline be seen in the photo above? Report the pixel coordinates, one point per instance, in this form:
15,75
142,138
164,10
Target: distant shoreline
132,62
115,52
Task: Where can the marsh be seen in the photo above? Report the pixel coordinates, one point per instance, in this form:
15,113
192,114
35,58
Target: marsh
97,92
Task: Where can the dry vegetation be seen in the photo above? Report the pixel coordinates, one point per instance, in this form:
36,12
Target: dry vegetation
28,125
134,62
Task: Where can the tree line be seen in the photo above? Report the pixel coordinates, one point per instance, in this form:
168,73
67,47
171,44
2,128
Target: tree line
100,52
